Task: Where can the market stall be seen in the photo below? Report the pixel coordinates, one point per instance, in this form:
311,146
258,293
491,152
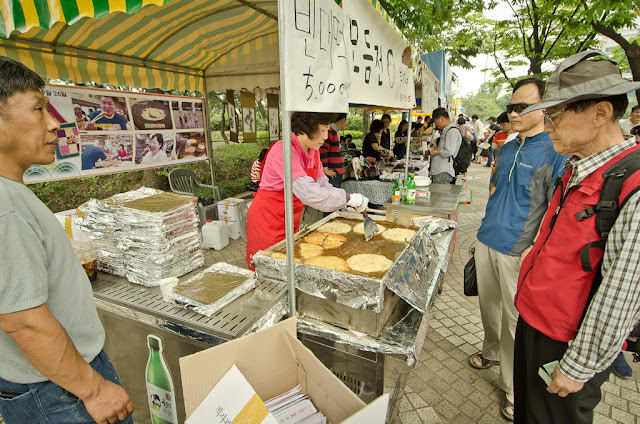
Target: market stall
208,45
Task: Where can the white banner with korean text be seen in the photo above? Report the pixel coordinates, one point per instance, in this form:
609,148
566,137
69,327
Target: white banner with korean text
381,68
316,56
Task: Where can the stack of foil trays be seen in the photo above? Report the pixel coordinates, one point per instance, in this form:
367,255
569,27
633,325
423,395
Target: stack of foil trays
145,235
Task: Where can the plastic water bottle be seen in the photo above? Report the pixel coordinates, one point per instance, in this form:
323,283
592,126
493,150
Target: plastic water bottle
215,235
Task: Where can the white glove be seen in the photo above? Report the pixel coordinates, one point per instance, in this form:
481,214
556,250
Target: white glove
357,203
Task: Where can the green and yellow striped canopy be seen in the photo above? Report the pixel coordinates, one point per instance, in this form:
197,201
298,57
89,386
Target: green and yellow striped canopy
185,45
166,44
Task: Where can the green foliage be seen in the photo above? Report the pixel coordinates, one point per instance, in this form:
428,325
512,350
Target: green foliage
354,120
488,101
543,32
454,25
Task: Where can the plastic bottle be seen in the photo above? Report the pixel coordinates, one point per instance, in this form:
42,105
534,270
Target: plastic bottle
410,198
162,400
215,235
397,192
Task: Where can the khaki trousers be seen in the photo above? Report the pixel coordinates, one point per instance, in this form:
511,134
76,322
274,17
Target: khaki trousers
497,280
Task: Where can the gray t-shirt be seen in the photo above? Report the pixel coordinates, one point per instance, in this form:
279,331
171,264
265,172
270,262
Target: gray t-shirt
38,266
448,150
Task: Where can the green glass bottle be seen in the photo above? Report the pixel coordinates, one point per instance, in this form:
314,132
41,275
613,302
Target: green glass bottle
411,190
397,193
162,401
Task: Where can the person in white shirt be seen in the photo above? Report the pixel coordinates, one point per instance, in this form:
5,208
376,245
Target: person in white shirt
156,152
478,131
632,121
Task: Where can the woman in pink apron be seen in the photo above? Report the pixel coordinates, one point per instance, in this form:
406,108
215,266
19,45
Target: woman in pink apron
265,218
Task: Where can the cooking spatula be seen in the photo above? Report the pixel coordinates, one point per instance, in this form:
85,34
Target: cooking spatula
399,215
370,227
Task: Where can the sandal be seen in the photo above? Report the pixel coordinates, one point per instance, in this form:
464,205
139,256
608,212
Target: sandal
507,404
486,363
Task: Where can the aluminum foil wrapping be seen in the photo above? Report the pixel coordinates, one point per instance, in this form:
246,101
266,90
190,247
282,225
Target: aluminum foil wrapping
410,276
271,317
141,245
404,338
211,308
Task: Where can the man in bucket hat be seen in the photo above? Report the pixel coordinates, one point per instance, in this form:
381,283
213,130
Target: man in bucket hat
578,294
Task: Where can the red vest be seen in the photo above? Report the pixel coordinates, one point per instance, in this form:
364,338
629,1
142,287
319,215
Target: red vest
553,289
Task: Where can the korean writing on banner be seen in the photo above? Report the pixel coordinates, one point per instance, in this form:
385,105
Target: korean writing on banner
103,132
381,68
317,64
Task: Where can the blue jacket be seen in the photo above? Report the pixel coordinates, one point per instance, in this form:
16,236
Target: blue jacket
524,180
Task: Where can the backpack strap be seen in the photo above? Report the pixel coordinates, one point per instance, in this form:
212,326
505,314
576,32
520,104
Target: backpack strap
443,139
607,209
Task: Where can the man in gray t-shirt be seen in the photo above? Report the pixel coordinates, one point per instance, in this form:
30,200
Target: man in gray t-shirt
53,369
444,152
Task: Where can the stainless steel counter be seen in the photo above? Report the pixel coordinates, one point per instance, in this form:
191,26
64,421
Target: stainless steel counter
444,201
130,312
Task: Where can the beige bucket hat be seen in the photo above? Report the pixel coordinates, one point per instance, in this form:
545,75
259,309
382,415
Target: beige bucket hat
578,78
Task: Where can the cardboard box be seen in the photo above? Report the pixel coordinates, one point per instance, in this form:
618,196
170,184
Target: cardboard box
69,220
228,208
234,227
274,361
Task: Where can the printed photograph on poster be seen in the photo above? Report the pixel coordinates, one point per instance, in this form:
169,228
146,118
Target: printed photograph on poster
68,142
274,124
231,112
249,120
187,115
190,145
100,112
154,148
150,114
106,151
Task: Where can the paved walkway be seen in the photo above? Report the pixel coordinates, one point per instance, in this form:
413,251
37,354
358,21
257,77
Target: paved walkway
443,387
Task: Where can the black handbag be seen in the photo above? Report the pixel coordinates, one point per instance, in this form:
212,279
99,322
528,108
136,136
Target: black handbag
470,279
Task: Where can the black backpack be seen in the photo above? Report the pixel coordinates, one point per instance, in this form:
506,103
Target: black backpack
463,158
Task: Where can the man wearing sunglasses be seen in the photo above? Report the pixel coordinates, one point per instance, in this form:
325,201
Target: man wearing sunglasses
521,186
578,291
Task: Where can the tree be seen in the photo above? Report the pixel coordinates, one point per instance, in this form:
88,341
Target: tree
486,102
608,18
454,25
542,32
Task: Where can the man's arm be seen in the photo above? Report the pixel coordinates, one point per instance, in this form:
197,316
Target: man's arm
615,307
49,349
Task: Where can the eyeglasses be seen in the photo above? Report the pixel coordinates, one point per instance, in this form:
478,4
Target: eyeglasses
517,107
548,119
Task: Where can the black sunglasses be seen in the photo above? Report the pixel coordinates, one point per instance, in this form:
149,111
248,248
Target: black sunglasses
517,107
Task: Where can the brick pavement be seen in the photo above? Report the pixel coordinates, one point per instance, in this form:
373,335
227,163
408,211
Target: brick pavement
443,387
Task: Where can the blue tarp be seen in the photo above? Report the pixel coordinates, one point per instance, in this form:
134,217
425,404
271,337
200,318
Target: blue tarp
438,64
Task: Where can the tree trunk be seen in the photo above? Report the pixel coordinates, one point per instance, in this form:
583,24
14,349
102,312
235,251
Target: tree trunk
224,109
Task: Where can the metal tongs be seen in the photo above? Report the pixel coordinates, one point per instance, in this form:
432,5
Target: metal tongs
370,226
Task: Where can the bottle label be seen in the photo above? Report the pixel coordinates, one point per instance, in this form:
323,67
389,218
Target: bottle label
162,404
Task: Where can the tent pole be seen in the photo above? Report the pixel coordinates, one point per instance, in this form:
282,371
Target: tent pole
207,126
408,146
286,148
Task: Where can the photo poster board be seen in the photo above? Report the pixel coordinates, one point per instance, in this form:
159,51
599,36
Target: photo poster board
248,106
381,69
233,118
273,105
105,131
316,56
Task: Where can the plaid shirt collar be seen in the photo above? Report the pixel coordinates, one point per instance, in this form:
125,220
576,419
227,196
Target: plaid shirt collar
582,168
